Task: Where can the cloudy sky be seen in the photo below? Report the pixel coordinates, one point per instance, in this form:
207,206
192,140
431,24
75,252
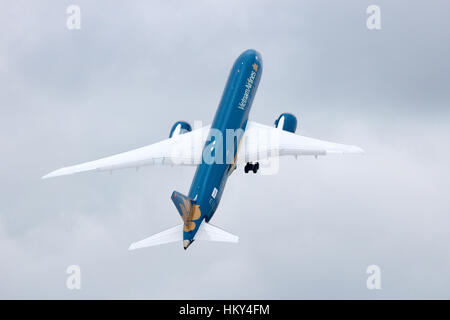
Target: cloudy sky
308,232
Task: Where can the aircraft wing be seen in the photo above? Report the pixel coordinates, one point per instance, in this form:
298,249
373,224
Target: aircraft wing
184,149
263,142
260,142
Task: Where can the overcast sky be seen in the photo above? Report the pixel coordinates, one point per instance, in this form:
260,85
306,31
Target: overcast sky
310,231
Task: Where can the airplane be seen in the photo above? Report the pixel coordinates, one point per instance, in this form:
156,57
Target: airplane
216,150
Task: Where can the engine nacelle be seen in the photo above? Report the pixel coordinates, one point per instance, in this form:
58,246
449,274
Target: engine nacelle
286,122
179,127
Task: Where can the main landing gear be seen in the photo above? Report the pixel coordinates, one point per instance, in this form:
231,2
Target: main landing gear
251,167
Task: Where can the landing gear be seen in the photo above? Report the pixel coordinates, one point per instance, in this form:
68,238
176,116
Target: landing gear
251,167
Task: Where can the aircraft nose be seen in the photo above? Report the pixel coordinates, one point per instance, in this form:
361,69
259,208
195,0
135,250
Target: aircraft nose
250,54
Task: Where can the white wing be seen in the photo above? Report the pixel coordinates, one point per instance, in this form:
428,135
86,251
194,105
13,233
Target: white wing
260,142
185,149
263,142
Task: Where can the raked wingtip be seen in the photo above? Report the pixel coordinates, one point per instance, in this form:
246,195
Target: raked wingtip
355,150
52,174
57,173
48,175
359,150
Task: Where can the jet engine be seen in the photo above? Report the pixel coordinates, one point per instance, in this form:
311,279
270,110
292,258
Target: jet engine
179,127
286,122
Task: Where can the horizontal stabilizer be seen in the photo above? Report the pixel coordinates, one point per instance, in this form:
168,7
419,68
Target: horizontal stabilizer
212,233
206,232
167,236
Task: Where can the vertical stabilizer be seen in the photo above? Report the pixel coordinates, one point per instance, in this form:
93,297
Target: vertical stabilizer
191,215
182,203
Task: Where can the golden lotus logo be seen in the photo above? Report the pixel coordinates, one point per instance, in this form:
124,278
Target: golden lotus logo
190,213
185,208
255,67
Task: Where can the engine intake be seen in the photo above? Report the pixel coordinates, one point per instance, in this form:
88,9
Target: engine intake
179,127
286,122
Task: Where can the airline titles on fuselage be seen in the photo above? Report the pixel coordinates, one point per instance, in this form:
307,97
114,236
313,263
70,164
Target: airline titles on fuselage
248,87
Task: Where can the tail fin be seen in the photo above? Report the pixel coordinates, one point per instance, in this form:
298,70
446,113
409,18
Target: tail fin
182,203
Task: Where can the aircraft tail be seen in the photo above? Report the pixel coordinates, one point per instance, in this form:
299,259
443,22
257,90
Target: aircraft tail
182,203
206,232
187,210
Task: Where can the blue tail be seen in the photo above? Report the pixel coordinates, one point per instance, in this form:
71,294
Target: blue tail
191,214
182,203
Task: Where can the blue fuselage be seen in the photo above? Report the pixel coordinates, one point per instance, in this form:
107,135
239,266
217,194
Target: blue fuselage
233,111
